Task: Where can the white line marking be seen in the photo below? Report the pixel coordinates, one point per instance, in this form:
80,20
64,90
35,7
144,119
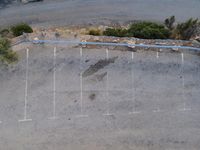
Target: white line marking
54,84
182,58
157,55
184,108
107,54
82,116
183,84
81,81
25,120
134,112
81,88
81,91
132,55
53,118
107,88
108,114
26,88
133,87
81,52
157,110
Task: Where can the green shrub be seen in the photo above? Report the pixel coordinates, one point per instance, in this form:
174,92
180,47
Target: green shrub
6,54
186,29
95,32
118,32
145,30
148,30
19,29
152,30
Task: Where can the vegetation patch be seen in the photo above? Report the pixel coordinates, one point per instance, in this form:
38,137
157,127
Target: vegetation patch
6,54
152,30
95,32
15,30
118,32
145,30
148,30
186,29
21,28
4,32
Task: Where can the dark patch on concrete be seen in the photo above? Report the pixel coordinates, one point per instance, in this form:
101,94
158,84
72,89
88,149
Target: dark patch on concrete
87,60
92,96
99,65
99,77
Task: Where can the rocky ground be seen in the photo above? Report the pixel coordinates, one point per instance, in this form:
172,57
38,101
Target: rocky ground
80,33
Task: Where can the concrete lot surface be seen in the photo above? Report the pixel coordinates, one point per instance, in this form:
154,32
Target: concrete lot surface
121,100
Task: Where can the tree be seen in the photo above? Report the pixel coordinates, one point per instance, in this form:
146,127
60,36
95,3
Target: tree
169,22
187,29
6,54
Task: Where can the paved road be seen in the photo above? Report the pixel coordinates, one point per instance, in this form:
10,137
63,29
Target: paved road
152,99
76,12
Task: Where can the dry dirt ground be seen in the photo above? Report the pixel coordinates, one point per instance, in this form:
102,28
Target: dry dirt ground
153,101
